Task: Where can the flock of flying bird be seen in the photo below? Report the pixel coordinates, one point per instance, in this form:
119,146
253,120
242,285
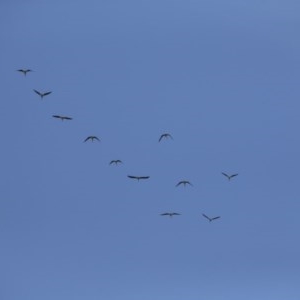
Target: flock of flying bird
116,162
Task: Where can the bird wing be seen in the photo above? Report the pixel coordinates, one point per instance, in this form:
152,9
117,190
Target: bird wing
233,175
56,116
189,183
130,176
176,214
225,175
179,183
205,216
161,137
165,214
112,161
68,118
47,93
38,92
87,139
144,177
96,138
216,218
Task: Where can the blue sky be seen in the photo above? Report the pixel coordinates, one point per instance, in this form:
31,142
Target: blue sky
222,78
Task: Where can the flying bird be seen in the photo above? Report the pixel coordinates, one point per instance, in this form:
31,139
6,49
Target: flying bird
92,138
166,136
138,177
42,94
117,161
62,117
184,182
210,219
24,71
229,176
170,214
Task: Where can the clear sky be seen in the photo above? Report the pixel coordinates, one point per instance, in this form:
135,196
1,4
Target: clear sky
222,77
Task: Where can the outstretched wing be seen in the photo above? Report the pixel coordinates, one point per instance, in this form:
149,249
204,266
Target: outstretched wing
179,183
233,175
68,118
133,177
205,216
47,93
175,214
161,137
96,138
144,177
57,116
165,214
215,218
38,92
88,138
225,175
189,183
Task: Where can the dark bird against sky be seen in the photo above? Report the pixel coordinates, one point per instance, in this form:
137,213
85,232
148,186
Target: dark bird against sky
92,138
210,219
62,117
229,176
170,214
117,161
42,94
24,71
138,177
166,136
184,182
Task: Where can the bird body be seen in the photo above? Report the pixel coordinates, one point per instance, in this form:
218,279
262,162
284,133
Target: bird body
138,177
92,138
42,94
24,71
184,182
229,176
117,161
210,219
166,136
62,117
170,214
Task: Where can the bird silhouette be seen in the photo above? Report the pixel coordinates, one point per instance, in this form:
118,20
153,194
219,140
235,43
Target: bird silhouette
117,161
138,177
62,117
42,94
210,219
166,136
24,71
184,182
170,214
92,138
229,176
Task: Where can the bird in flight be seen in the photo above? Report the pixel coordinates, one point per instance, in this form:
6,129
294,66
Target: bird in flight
92,138
62,117
210,219
138,177
229,176
170,214
42,94
117,161
24,71
184,182
166,136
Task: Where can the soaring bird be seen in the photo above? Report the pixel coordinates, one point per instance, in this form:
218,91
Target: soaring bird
170,214
229,176
184,182
117,161
92,138
42,94
166,136
138,177
24,71
62,117
210,219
